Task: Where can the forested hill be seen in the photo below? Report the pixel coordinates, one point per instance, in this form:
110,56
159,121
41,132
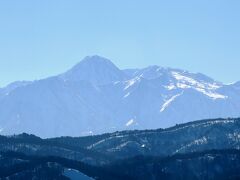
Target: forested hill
199,149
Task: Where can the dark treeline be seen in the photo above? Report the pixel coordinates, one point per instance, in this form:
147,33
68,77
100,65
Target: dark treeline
31,162
213,164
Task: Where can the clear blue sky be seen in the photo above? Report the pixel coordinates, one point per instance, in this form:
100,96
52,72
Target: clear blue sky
46,37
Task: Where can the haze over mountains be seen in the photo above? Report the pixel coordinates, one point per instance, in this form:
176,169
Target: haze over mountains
96,97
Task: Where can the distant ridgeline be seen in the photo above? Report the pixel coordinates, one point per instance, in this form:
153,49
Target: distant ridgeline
96,97
207,149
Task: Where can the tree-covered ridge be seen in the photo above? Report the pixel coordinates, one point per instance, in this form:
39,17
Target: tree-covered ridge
207,149
212,164
102,149
188,137
20,166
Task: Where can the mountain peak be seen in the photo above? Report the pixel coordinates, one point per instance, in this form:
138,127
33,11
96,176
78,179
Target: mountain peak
95,69
94,61
96,58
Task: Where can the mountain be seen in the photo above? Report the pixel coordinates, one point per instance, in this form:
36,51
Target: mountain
96,97
96,70
190,137
184,138
5,91
206,149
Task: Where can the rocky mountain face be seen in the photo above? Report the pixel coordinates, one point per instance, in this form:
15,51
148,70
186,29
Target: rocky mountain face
96,97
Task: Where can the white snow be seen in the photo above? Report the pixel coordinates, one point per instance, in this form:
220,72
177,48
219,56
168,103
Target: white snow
212,94
234,136
213,86
187,82
207,89
131,82
202,140
178,76
130,122
170,87
126,95
183,86
121,146
168,102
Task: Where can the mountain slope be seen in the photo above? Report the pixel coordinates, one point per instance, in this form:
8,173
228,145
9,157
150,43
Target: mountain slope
184,138
102,149
96,97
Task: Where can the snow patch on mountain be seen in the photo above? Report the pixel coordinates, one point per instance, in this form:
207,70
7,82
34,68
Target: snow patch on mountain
143,145
130,122
212,94
188,81
206,88
170,87
200,141
131,82
126,95
169,101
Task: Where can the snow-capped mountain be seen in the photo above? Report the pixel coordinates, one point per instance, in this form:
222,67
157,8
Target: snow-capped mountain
95,97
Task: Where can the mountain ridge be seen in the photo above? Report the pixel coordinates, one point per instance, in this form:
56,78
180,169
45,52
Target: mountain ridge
96,97
193,136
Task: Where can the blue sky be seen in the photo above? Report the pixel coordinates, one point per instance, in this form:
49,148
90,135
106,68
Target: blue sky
44,38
